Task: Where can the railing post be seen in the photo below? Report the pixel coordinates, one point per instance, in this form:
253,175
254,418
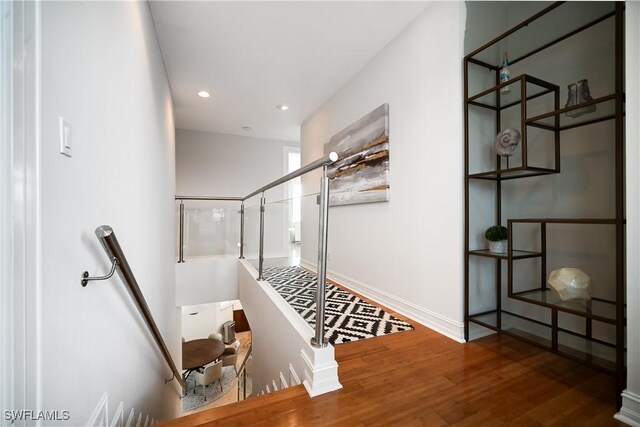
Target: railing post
181,248
319,340
242,231
261,254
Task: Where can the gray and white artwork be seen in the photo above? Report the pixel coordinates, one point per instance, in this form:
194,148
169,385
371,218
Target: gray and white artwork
361,174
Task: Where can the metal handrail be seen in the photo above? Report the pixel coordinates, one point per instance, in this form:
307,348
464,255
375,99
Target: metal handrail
107,238
326,160
222,198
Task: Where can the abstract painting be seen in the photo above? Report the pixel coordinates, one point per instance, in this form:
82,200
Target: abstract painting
361,174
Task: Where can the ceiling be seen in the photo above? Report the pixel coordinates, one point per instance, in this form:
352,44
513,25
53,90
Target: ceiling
252,56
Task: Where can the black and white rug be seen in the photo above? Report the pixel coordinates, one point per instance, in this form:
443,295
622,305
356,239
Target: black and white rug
347,317
195,400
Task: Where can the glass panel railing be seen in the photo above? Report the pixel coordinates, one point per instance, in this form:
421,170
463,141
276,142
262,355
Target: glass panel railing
290,228
265,224
210,228
252,229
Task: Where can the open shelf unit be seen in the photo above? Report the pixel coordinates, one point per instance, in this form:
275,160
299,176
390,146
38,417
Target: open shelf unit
593,331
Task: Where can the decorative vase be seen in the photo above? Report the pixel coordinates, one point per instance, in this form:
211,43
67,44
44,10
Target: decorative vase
584,95
499,247
572,99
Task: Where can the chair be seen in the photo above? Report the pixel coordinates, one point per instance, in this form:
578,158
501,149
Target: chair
210,374
230,355
215,336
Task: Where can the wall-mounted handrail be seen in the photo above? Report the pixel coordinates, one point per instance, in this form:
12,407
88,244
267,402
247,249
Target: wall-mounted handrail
107,238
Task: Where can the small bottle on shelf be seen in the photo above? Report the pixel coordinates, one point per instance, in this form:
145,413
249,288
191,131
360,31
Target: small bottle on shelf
504,74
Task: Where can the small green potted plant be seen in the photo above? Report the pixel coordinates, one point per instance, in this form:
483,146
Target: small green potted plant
497,237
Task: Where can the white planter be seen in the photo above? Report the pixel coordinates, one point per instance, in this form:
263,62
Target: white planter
499,247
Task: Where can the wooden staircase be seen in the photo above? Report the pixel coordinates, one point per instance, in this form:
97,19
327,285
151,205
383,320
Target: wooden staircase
265,404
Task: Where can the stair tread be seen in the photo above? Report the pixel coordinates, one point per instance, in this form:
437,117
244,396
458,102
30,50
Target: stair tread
250,404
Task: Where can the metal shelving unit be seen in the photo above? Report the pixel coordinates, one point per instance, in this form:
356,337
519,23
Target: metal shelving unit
526,40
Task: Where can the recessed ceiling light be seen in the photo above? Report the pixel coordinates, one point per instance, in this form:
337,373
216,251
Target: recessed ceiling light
246,128
203,94
282,107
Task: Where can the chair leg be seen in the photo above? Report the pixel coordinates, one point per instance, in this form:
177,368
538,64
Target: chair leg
204,392
220,381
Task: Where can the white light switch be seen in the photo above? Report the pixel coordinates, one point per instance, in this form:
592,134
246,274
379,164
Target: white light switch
65,137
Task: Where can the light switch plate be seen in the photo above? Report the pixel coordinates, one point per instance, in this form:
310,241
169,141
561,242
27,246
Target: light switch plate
65,137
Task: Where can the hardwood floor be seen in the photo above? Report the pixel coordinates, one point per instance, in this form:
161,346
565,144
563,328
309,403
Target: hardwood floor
421,378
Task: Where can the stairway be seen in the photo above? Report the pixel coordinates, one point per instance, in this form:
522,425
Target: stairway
262,402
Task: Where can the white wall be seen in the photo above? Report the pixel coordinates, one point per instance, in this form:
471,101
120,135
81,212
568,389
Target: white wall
200,321
103,72
213,164
406,253
630,412
206,280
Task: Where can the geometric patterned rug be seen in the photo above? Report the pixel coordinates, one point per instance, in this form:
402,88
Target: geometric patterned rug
347,317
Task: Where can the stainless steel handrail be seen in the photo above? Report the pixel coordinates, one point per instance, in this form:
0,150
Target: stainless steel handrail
222,198
107,238
326,160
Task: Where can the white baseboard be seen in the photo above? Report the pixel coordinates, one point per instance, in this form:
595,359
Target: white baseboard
435,321
630,411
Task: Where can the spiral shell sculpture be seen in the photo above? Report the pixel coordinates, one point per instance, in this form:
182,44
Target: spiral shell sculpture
506,142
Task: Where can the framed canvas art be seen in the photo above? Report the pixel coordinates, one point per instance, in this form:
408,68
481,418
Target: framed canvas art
361,174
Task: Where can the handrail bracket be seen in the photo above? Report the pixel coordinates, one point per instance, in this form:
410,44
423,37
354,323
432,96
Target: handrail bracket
86,279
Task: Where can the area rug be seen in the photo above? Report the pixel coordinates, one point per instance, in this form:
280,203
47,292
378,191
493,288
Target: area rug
347,317
193,401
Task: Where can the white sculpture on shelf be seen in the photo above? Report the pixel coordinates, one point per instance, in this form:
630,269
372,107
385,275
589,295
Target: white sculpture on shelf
506,142
570,284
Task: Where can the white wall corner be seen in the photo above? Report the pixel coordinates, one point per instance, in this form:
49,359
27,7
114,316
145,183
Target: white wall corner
320,373
441,324
630,411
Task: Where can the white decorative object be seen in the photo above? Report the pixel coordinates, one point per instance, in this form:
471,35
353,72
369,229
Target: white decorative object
507,141
570,283
499,247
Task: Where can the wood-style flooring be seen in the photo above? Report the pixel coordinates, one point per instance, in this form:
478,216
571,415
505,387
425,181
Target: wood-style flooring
421,378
